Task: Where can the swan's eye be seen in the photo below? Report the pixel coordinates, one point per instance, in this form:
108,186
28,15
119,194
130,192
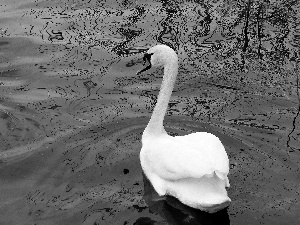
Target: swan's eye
147,57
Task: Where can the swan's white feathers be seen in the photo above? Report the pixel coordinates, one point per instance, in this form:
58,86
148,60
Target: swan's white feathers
210,146
193,167
189,156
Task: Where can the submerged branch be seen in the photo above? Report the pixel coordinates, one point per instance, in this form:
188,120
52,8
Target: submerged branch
292,149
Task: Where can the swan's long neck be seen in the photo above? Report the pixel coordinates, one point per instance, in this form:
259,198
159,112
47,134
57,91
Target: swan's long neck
155,125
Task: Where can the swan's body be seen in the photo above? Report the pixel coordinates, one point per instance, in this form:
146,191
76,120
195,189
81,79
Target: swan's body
193,168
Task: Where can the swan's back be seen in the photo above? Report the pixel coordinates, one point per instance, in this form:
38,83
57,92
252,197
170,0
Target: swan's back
210,146
194,155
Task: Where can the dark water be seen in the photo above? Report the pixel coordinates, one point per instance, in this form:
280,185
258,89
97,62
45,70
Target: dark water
72,112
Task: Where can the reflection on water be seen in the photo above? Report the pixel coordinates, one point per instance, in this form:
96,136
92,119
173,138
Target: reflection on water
72,112
174,212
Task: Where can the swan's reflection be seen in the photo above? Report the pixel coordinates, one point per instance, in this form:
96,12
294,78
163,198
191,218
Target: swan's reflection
176,213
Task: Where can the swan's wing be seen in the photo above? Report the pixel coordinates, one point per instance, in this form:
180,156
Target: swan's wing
209,145
180,157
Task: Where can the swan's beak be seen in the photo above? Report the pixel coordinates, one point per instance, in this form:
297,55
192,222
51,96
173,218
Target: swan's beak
146,58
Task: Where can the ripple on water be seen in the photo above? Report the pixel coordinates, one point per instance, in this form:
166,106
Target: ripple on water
35,95
58,167
94,169
95,175
11,83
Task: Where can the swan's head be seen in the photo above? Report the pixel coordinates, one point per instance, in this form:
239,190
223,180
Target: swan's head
159,55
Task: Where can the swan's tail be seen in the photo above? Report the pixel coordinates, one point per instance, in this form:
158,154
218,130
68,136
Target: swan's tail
224,177
206,193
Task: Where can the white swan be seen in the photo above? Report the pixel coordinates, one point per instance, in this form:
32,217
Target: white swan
193,168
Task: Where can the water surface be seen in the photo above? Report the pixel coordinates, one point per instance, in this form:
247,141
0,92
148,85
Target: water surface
72,112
